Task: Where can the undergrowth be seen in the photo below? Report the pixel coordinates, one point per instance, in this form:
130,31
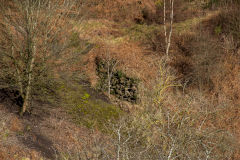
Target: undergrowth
85,110
142,31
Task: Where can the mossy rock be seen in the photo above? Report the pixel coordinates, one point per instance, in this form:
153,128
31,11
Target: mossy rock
122,86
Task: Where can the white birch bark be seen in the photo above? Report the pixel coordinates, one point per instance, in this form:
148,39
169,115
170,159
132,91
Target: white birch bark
168,35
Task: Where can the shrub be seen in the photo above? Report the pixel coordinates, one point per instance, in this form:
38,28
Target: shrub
219,3
229,23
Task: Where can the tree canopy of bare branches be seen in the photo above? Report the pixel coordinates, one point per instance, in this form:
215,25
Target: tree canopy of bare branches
33,34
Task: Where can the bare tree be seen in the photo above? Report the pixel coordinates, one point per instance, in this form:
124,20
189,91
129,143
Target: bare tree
111,64
167,34
32,32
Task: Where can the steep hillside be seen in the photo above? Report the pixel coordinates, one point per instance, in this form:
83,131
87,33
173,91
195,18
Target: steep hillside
109,91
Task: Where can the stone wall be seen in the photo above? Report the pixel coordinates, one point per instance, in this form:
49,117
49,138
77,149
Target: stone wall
122,86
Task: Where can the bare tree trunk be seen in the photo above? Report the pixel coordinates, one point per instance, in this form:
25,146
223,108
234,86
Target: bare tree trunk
168,36
109,79
119,143
164,23
31,24
30,29
111,68
28,88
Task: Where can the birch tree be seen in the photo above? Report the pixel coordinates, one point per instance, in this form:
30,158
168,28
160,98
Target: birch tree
168,34
32,33
111,64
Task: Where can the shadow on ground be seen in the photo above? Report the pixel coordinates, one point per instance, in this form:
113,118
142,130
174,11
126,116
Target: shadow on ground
37,141
32,138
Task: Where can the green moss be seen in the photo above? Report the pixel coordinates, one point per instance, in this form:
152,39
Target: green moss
81,46
92,114
74,40
218,30
142,32
159,3
86,110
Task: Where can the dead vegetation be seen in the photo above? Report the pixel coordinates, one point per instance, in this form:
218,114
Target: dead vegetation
189,103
